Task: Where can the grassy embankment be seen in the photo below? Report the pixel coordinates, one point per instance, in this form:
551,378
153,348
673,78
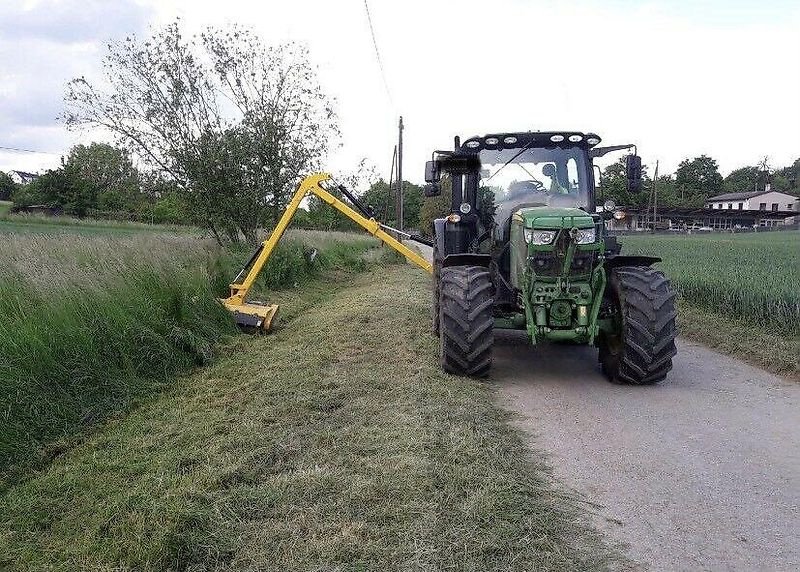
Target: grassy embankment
90,325
738,292
335,443
36,223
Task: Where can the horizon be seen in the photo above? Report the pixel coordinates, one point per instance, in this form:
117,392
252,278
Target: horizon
688,100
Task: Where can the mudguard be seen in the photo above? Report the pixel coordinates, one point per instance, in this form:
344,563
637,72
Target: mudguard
467,259
614,260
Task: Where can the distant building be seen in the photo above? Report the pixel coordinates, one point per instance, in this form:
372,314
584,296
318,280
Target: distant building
766,200
22,178
690,219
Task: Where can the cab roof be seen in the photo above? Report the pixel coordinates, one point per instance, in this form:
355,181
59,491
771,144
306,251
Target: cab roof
531,139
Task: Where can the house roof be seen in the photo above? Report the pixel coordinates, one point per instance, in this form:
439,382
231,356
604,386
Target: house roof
738,196
715,213
25,174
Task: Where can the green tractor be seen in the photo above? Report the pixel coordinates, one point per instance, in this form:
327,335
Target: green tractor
523,248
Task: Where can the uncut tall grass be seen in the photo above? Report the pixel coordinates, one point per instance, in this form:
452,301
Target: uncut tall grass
752,277
91,323
88,324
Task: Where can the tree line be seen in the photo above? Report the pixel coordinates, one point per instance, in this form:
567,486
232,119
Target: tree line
217,130
696,180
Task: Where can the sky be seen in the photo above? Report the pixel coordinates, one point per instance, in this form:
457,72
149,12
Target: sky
678,78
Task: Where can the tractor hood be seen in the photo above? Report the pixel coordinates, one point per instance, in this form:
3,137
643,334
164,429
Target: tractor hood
552,218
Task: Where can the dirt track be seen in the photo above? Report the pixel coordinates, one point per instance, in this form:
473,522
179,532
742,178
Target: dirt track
701,472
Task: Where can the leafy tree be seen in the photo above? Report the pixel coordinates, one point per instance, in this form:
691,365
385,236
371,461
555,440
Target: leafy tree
699,178
233,122
435,207
744,180
7,186
62,188
113,179
613,185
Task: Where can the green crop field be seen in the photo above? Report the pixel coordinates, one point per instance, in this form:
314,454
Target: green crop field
755,277
739,293
40,224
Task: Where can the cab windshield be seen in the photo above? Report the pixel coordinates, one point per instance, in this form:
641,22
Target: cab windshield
534,177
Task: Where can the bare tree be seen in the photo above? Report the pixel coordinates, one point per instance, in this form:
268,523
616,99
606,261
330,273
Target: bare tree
233,122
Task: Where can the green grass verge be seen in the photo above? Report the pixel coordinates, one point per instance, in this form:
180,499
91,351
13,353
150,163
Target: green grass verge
91,325
335,443
749,342
40,224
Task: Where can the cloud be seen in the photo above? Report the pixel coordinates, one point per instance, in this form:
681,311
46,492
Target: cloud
42,46
72,21
716,77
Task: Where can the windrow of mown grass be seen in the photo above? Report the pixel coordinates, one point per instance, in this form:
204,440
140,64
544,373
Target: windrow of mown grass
90,325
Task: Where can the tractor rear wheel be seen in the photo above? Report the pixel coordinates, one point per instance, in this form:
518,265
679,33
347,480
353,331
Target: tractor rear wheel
641,303
466,320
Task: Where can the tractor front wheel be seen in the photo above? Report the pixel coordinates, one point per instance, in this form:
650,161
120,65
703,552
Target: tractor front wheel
641,303
466,320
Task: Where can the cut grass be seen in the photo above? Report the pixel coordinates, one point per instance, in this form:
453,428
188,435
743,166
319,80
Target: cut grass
334,444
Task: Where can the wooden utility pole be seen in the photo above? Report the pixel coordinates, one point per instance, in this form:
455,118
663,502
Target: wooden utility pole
400,175
655,196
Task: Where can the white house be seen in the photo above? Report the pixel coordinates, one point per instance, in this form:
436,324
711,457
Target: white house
766,200
22,178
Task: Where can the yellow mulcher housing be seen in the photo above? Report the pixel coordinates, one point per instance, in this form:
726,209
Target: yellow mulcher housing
258,316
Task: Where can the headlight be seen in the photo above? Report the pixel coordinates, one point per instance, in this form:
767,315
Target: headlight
539,236
585,236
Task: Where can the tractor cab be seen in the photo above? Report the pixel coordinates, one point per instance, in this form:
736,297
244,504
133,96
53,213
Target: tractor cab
533,174
497,175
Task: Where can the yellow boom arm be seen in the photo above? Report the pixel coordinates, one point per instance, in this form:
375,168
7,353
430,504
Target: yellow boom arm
259,316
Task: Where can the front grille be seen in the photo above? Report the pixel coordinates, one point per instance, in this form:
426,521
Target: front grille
550,263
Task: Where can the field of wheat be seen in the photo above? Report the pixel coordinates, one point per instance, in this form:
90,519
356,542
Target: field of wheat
754,277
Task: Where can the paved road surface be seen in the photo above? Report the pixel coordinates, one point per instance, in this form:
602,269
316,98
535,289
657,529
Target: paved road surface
701,472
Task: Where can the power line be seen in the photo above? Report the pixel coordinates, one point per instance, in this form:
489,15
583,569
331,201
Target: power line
18,150
378,54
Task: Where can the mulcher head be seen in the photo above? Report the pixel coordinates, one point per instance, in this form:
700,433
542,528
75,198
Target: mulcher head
253,317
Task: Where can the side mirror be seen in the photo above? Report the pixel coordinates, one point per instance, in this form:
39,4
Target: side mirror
432,190
432,174
633,169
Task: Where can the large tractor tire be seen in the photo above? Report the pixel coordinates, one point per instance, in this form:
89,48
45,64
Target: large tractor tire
466,320
642,305
437,276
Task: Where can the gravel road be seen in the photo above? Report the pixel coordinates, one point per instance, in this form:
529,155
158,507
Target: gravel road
700,472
